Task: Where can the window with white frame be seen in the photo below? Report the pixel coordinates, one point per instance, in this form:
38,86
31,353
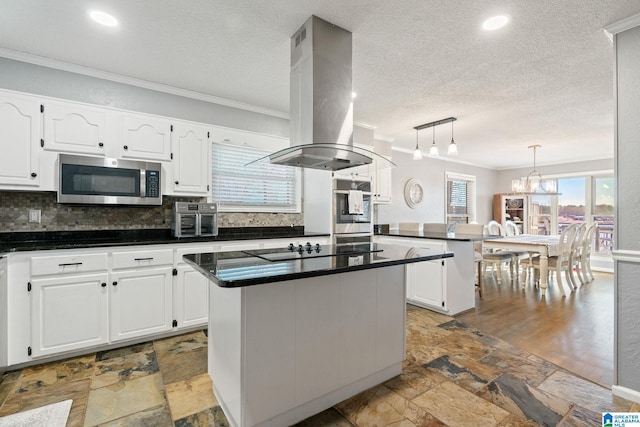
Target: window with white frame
261,187
460,192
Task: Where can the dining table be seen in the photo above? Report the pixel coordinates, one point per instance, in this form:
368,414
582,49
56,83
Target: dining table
545,246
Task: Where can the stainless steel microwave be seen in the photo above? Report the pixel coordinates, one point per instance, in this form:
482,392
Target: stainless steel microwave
99,180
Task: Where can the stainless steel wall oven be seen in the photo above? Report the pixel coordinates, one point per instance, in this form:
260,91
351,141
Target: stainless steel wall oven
352,207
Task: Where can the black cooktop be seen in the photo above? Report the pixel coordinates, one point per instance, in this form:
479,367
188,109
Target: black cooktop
313,251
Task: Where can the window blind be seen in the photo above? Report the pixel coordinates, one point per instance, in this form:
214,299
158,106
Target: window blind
460,198
259,187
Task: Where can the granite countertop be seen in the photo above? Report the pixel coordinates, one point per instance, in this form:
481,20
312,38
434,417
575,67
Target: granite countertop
243,268
49,240
437,235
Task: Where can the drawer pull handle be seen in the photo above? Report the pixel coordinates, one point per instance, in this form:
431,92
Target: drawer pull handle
115,283
103,284
143,259
69,263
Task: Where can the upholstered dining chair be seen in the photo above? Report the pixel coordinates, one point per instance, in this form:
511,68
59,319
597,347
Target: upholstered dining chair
474,229
585,255
561,262
511,228
409,226
576,255
434,227
497,229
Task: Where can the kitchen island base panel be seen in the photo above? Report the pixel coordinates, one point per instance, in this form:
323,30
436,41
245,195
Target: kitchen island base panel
284,351
318,405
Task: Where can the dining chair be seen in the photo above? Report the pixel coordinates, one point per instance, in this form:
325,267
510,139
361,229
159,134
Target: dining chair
576,255
434,227
511,228
585,255
409,226
561,262
496,258
474,229
495,228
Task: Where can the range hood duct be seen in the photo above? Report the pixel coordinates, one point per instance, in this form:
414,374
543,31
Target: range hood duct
321,104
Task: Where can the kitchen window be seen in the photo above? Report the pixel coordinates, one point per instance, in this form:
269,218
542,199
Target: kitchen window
261,187
461,198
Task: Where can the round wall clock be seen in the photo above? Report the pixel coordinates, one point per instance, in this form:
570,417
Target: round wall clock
413,193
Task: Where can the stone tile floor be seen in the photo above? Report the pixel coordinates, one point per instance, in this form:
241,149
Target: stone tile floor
453,376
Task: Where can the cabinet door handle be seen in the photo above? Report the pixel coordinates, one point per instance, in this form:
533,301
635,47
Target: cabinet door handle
103,284
115,283
176,182
33,174
126,147
143,259
100,144
69,263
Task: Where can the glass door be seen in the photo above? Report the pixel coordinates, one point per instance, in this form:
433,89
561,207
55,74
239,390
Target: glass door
541,219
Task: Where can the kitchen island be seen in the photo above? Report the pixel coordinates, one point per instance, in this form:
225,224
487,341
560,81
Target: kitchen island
457,291
296,330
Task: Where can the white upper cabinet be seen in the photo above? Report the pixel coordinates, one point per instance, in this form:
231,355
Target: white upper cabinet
145,137
381,182
74,128
19,141
190,171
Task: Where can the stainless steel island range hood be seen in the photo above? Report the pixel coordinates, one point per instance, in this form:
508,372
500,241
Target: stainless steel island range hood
321,103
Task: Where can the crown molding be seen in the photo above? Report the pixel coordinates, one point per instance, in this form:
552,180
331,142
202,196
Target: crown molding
623,25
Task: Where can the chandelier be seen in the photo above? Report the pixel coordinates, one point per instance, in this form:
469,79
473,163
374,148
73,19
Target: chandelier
534,184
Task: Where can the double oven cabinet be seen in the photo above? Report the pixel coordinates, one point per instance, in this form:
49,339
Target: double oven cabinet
39,128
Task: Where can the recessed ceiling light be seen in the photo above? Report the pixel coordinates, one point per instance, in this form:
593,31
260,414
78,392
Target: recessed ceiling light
495,22
103,18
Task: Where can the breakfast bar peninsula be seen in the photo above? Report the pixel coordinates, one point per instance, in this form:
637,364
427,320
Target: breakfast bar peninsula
293,331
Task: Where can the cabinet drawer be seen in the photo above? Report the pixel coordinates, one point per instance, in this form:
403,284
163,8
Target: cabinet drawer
68,264
150,258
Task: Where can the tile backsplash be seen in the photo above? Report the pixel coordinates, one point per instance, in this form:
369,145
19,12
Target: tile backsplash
15,206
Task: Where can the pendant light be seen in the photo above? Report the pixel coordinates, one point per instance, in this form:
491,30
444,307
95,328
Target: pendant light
452,149
433,151
417,154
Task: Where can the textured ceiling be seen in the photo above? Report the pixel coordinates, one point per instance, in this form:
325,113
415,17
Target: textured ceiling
546,78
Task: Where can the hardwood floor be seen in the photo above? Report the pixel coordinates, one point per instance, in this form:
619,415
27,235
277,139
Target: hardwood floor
574,332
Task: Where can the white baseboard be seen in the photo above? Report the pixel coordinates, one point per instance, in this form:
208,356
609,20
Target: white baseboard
626,393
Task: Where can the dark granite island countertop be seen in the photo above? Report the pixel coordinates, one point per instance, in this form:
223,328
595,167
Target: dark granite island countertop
247,268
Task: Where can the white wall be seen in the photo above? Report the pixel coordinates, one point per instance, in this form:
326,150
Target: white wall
627,262
431,173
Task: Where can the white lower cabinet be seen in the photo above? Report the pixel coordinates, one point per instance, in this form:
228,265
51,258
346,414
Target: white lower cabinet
140,303
190,291
55,302
141,293
425,284
68,313
448,288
